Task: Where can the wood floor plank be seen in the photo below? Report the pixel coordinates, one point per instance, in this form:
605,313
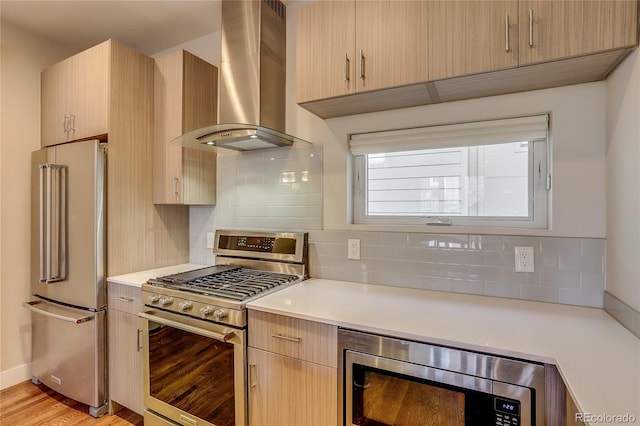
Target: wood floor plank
26,404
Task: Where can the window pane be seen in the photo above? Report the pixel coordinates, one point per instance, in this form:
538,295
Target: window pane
482,181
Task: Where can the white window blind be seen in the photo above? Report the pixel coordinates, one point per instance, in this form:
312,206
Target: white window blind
452,135
486,173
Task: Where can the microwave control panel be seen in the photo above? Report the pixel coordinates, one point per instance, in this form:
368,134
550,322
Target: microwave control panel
507,412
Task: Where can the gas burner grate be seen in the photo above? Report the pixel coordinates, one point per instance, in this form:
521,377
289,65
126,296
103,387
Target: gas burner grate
236,284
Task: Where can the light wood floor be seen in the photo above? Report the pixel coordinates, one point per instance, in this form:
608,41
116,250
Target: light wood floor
26,404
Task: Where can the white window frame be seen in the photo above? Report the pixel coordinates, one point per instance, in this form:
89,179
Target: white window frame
467,134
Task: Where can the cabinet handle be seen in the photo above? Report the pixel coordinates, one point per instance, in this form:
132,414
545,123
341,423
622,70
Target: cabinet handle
530,27
361,64
346,67
506,33
138,345
124,299
290,339
65,123
72,122
252,385
175,185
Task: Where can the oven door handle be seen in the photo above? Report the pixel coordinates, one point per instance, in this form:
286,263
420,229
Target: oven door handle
218,336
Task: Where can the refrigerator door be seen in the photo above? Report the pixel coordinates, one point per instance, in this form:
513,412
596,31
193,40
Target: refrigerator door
68,352
68,224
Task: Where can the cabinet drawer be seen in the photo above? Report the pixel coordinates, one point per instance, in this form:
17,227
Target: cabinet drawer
307,340
125,298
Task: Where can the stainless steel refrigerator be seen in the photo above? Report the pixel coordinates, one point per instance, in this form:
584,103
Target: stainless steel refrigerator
68,272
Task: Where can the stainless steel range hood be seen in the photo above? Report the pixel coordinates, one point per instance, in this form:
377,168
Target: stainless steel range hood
252,80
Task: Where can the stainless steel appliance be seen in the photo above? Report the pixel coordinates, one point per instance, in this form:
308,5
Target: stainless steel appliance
252,80
195,327
67,272
389,381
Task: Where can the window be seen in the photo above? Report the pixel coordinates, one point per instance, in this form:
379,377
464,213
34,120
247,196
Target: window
491,173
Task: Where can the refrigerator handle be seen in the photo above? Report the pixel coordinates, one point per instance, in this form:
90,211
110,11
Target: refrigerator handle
43,223
32,306
53,223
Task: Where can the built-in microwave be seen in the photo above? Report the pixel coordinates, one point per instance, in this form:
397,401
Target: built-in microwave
389,381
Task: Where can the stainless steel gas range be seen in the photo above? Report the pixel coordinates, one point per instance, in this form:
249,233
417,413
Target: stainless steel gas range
194,334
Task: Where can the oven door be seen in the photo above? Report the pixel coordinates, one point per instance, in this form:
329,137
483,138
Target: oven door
381,391
194,370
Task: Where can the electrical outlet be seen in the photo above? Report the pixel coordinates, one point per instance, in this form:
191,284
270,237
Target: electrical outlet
211,236
353,247
524,259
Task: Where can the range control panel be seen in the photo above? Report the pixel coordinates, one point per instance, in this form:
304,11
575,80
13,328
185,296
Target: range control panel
258,244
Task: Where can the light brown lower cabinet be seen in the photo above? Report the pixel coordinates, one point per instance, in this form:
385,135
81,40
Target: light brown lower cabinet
292,371
285,391
125,356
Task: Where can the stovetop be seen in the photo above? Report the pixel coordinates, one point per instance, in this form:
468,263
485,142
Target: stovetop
249,265
230,282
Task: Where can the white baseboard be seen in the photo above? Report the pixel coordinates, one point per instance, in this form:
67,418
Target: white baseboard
15,375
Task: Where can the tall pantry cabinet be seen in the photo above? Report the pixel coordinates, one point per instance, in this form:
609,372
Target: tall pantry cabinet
106,93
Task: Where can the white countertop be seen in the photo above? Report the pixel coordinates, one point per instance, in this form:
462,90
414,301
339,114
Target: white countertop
597,357
136,279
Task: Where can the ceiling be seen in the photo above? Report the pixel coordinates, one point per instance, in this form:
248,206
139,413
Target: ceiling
150,26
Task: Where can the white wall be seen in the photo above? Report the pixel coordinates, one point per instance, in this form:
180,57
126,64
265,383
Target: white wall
577,133
623,181
22,59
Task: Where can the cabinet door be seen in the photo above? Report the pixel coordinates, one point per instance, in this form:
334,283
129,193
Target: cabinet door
56,86
285,391
185,99
550,29
75,97
609,24
200,109
125,361
391,43
468,37
90,106
325,42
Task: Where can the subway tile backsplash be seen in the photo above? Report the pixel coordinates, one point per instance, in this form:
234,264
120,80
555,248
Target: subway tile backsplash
567,270
272,189
282,190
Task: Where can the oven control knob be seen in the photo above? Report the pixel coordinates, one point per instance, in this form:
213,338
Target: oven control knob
206,311
185,306
166,301
154,298
220,315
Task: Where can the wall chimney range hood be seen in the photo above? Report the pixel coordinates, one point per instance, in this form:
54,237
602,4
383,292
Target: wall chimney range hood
252,80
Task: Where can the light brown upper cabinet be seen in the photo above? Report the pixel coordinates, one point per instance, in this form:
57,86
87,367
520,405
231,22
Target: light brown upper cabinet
467,37
186,98
367,56
354,46
558,29
75,97
324,50
391,43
